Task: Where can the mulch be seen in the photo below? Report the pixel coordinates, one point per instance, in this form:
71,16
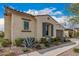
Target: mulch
8,51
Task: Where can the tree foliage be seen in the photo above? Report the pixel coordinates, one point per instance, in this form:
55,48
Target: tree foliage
74,9
74,20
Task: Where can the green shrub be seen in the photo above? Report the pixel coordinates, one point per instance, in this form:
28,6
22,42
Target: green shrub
6,43
38,46
76,50
67,40
1,39
43,40
47,44
56,43
25,49
1,34
19,41
52,39
56,39
76,34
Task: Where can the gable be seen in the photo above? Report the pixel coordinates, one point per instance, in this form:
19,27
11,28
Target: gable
49,19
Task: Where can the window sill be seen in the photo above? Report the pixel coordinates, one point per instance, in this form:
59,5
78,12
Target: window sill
25,31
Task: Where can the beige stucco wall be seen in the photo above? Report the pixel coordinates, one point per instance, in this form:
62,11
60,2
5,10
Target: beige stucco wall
7,27
17,27
40,20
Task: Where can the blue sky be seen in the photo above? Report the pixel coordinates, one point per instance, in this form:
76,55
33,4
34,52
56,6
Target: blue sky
56,10
37,6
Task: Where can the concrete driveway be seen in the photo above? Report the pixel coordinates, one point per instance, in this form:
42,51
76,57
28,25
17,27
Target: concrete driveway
55,51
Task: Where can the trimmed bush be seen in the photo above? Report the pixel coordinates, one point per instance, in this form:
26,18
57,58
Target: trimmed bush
6,43
19,41
76,50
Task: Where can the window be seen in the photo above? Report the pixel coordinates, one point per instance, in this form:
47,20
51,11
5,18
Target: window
26,25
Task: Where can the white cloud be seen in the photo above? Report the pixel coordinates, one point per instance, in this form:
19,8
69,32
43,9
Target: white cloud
49,11
61,19
57,13
64,21
1,24
41,12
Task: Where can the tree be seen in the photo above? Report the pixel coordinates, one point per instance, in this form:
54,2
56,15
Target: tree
74,20
74,9
74,15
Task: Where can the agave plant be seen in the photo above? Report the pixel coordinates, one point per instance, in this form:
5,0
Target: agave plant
29,42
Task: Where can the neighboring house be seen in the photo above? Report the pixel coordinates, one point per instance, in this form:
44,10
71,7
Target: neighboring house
22,25
69,33
76,29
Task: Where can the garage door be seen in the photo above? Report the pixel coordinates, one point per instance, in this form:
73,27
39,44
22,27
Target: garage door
59,33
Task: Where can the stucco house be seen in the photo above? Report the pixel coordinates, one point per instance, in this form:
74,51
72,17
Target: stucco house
22,25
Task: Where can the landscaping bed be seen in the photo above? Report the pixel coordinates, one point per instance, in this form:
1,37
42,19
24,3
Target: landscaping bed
24,46
15,51
8,51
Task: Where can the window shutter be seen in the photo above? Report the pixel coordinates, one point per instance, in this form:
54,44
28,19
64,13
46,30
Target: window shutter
52,30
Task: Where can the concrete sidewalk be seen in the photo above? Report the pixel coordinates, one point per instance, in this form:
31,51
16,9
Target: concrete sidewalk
55,51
